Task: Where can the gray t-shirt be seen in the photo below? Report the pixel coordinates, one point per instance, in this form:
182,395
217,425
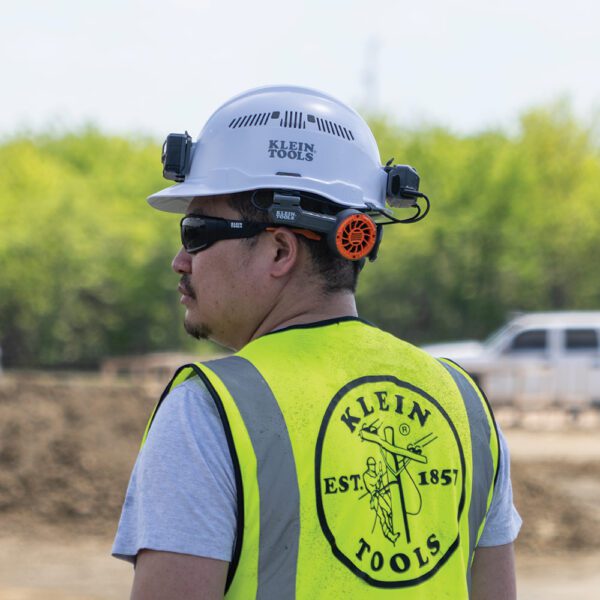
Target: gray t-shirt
182,494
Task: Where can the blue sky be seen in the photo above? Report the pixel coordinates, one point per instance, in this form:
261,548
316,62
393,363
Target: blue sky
153,67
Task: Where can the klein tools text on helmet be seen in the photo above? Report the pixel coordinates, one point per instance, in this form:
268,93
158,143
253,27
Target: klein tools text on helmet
294,141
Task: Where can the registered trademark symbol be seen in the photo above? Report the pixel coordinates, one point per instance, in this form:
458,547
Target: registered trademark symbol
404,429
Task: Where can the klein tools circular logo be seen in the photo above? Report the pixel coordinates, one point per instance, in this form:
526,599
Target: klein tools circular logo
389,471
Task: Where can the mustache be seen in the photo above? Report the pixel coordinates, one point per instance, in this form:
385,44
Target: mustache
184,282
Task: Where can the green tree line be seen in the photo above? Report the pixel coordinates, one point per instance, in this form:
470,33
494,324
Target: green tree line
513,227
84,263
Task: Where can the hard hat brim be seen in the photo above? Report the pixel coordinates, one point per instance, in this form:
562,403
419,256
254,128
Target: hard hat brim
176,198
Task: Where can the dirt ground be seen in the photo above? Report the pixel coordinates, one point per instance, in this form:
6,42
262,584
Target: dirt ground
67,445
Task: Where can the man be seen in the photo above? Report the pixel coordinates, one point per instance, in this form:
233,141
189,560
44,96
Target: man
251,480
380,494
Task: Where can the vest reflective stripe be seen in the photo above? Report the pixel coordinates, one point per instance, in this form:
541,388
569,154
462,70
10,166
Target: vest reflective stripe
276,475
483,463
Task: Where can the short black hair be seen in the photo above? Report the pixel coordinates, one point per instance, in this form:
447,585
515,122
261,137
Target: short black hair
337,274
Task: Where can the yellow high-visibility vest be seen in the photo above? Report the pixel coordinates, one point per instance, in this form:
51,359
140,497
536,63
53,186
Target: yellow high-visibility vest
364,467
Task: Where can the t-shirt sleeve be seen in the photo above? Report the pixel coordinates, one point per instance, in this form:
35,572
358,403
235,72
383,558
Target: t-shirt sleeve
503,521
181,495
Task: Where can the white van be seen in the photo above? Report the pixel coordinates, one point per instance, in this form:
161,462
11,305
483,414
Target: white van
536,360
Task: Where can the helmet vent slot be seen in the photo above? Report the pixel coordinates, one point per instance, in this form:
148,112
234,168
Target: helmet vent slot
294,119
257,119
330,127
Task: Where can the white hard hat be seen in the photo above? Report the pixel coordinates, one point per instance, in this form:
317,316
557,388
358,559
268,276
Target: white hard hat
284,138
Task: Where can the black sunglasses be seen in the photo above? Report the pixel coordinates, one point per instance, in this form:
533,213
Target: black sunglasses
199,232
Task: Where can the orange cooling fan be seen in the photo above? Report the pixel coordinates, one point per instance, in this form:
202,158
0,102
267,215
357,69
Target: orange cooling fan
355,236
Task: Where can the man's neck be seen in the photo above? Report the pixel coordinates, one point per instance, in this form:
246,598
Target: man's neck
333,306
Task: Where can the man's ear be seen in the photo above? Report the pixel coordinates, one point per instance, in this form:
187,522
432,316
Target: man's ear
285,252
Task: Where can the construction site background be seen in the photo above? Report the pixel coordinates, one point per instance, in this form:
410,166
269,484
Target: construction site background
68,442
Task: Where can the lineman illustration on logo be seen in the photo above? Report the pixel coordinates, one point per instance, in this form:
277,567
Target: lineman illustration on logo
391,488
389,480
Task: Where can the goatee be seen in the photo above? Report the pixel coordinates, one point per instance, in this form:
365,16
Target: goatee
200,331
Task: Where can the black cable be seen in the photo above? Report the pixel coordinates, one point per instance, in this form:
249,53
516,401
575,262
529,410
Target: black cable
418,216
255,203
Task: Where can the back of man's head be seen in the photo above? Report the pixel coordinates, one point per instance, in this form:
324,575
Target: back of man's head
334,273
